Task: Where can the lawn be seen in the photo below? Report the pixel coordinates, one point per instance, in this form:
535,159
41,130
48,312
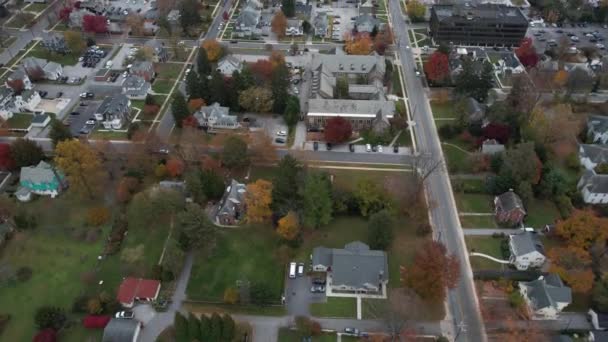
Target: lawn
405,138
486,245
540,213
169,71
339,232
474,203
478,222
20,20
241,254
58,256
457,160
162,86
274,310
335,307
288,335
108,135
40,52
443,110
36,7
19,121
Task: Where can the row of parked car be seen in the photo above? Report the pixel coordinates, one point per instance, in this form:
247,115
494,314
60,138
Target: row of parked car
92,56
351,147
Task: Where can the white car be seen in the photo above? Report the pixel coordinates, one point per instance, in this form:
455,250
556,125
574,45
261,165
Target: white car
124,314
368,147
380,148
574,39
125,74
282,133
600,46
90,122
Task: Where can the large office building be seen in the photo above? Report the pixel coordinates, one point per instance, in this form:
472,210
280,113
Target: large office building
485,24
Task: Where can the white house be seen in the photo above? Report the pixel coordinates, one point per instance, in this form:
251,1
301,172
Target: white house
526,251
229,64
546,296
114,111
27,100
216,117
593,187
294,27
597,129
52,71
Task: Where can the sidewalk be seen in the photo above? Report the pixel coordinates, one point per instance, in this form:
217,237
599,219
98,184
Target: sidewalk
343,148
489,231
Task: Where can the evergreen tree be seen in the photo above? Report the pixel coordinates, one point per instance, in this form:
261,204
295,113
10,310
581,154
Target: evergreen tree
380,230
471,83
194,330
292,111
279,85
180,324
215,330
228,328
179,108
189,14
202,62
288,7
286,185
217,89
243,79
59,132
205,328
316,198
193,85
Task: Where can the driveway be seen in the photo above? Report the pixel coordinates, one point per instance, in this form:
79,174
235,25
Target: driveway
298,296
77,122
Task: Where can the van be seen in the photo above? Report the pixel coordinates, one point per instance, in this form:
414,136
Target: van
368,147
292,270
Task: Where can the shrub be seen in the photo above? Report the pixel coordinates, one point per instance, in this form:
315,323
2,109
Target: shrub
564,205
516,300
423,229
24,274
50,317
79,305
448,131
24,221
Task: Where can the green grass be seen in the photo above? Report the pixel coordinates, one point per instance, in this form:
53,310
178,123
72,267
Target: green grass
486,245
404,139
169,70
396,83
40,52
477,186
111,135
478,222
18,21
456,159
339,232
443,110
162,86
474,203
19,120
243,254
288,335
335,307
36,7
540,213
275,310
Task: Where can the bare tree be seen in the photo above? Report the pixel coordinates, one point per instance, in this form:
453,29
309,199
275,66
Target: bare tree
398,312
191,144
423,166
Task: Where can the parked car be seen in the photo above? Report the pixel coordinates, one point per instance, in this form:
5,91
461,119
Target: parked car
352,331
319,281
279,140
84,131
90,122
43,93
74,113
315,145
282,133
59,94
300,269
396,148
368,147
127,314
317,289
380,148
328,146
351,147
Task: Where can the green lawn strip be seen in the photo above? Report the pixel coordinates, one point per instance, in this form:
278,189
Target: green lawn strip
405,138
243,254
40,52
443,110
19,120
410,34
457,160
288,335
36,7
487,245
478,222
396,83
274,310
78,333
169,70
540,213
340,231
474,203
138,104
111,135
477,186
162,86
335,307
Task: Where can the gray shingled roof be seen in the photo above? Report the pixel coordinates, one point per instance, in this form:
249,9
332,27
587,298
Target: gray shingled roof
526,243
355,265
139,66
597,123
596,153
118,103
120,330
41,173
235,194
366,23
510,200
135,85
597,184
475,110
351,64
249,17
548,291
351,108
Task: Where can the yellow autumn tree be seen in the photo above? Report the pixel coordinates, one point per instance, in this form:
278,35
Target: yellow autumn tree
289,226
213,48
360,44
258,200
81,165
231,295
560,78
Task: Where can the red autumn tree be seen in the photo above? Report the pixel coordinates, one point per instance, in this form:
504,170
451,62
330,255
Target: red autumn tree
64,13
261,70
497,131
195,104
175,167
94,24
437,68
432,272
208,163
337,130
527,53
190,121
46,335
126,188
6,160
17,85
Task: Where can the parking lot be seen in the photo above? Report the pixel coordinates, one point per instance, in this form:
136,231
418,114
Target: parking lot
342,13
543,35
78,122
298,296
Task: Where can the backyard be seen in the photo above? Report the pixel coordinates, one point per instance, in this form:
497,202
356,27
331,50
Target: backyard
169,71
41,52
19,121
335,307
487,245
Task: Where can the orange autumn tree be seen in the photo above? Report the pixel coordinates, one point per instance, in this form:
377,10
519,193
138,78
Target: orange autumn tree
582,229
276,58
175,167
195,104
360,44
258,199
213,48
573,264
289,226
279,24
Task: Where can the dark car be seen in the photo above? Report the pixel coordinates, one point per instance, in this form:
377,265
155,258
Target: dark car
396,148
374,148
90,95
59,94
83,104
74,113
43,94
351,147
315,145
319,281
233,42
279,140
328,146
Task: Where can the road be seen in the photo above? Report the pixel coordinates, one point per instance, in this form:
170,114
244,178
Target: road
462,301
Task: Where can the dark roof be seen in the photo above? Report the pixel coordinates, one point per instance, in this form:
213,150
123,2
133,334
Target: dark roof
596,153
114,104
548,291
510,201
120,330
597,123
525,243
480,13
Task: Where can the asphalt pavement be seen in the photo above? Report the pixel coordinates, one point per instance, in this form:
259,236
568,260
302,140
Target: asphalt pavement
463,302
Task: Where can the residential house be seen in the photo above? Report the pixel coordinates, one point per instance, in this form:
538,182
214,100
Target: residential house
40,120
475,112
509,209
121,330
27,100
6,230
355,269
546,296
593,187
491,147
231,209
161,53
52,71
366,8
6,98
366,23
42,179
114,111
56,44
143,69
137,289
320,25
18,75
294,27
216,117
508,64
38,68
477,56
136,87
247,23
526,251
366,104
229,64
597,129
